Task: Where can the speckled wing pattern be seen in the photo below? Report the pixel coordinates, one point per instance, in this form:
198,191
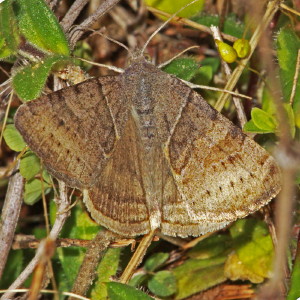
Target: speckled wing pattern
221,174
149,152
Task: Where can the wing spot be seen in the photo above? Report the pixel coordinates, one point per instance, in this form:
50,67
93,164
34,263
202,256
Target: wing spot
232,184
68,151
241,179
78,159
251,174
208,192
58,144
220,188
224,165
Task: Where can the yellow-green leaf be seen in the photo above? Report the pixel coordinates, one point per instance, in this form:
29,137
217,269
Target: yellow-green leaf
263,120
13,138
171,6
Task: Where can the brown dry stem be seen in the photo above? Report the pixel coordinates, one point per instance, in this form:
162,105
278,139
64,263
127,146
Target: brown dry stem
63,213
10,215
95,251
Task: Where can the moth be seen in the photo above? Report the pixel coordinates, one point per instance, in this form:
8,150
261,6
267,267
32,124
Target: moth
148,152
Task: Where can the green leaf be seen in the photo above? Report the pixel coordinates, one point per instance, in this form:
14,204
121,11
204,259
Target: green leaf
155,261
29,165
13,138
288,44
172,7
232,25
13,268
119,291
268,104
184,68
253,246
204,75
107,268
236,270
163,284
263,120
40,26
196,275
291,118
251,127
294,292
212,246
138,279
29,81
9,35
33,191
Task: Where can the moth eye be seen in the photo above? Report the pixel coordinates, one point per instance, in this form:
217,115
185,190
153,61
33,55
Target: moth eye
227,52
242,48
147,57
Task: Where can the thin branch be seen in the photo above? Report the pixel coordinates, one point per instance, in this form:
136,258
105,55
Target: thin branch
72,14
62,214
96,250
272,8
295,80
77,32
190,23
137,257
237,102
28,241
10,215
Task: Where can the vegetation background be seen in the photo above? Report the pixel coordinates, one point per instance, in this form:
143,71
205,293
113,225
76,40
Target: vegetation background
39,43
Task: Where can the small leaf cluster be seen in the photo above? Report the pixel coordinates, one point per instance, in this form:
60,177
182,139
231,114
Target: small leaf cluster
30,167
264,120
40,29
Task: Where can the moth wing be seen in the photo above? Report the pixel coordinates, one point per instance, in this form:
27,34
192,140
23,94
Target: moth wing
76,124
118,201
220,173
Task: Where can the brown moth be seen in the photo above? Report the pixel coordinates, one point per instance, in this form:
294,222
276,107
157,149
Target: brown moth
149,152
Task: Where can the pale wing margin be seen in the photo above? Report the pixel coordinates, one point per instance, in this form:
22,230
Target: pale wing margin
220,173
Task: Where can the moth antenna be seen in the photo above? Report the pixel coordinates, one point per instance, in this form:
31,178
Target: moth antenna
210,88
164,24
116,69
107,37
177,55
116,42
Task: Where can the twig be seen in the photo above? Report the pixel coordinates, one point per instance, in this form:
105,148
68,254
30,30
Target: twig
10,215
295,80
72,14
285,7
237,102
77,32
96,250
191,23
6,116
137,257
288,157
28,241
62,214
272,8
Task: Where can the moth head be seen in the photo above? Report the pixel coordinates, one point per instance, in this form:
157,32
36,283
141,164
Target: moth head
139,56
